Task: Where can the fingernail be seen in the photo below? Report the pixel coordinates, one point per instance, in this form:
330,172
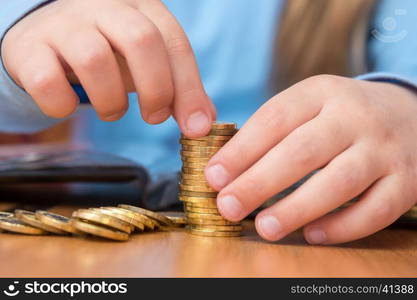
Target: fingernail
197,122
217,176
316,236
269,227
159,115
230,207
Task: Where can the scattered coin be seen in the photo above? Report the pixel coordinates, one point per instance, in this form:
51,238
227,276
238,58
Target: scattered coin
149,223
11,224
29,218
57,221
102,219
177,218
4,214
97,230
160,218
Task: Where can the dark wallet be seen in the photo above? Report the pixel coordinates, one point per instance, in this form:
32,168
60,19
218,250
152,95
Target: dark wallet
71,166
93,176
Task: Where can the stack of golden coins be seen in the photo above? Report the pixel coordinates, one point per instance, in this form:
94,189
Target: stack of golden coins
199,198
114,223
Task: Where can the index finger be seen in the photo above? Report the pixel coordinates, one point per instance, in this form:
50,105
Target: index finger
193,109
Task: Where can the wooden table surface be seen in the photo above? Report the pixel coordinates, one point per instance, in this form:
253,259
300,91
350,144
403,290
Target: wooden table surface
391,252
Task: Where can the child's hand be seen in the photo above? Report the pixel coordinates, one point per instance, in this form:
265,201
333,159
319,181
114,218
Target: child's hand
82,36
363,134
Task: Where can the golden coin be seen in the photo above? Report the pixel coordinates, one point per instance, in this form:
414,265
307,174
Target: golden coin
196,188
202,204
177,218
172,228
133,222
178,221
57,221
229,228
193,171
223,125
193,177
100,231
160,218
102,219
200,160
207,154
198,194
202,210
199,221
148,222
4,214
222,132
199,148
196,201
29,218
215,233
14,225
195,182
194,165
205,216
208,143
208,138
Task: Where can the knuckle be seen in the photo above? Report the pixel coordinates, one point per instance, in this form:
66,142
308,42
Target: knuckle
143,36
385,212
160,98
324,84
304,150
41,82
190,93
324,80
273,114
347,180
178,46
92,58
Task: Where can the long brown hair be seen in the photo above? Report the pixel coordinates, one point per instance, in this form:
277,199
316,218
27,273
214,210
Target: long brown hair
322,37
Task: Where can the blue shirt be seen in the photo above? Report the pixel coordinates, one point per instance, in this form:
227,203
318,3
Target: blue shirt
233,41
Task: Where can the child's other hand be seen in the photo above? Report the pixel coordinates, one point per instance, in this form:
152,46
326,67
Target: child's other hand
363,135
82,37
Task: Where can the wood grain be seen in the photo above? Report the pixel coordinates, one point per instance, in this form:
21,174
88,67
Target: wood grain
391,252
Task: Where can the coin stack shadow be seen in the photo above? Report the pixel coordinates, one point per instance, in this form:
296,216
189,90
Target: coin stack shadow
198,197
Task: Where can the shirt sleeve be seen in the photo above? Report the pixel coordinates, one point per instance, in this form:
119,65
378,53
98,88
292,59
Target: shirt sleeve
18,111
392,43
